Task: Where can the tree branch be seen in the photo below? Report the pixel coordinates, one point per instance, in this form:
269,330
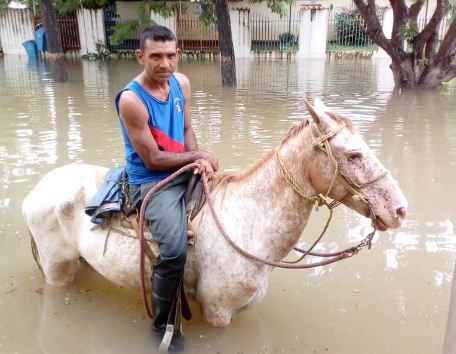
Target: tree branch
374,28
400,11
431,27
450,73
447,50
429,52
415,9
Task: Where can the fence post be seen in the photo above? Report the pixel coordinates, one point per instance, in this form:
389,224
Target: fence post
169,22
16,27
313,31
240,31
387,26
91,29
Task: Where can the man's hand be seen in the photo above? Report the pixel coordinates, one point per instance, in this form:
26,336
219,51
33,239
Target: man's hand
207,164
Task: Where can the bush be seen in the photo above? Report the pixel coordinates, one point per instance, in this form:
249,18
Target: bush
350,28
287,40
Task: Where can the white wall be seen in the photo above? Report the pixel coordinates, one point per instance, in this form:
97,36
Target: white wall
91,29
313,33
169,22
16,27
240,32
127,10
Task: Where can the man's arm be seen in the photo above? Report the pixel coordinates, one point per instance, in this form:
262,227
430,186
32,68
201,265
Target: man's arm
135,118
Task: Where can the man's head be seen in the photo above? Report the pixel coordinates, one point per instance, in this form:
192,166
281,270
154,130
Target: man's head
157,53
156,34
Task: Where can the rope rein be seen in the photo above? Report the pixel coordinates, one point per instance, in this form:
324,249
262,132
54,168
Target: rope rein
322,142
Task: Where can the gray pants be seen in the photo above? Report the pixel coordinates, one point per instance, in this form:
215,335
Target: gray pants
167,220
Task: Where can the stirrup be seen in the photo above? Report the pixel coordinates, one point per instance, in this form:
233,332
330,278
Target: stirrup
167,337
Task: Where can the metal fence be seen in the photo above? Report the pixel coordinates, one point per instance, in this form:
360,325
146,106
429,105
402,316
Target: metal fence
69,32
192,35
111,19
274,33
347,31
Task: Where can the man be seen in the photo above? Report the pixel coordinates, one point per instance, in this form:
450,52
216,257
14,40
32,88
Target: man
154,114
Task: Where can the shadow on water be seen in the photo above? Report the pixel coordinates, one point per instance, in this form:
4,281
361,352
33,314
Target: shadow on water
57,69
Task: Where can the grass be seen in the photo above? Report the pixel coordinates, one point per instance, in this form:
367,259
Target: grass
331,47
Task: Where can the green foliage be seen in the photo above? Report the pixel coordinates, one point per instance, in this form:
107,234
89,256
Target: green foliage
445,88
123,30
160,7
128,29
287,41
66,7
102,53
3,4
408,31
207,15
69,7
350,28
276,6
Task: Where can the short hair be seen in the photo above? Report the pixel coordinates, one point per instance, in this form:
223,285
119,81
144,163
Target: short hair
156,33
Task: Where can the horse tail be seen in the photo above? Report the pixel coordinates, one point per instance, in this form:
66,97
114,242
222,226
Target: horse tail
35,253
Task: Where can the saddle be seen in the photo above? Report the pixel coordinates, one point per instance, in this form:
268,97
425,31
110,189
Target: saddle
124,219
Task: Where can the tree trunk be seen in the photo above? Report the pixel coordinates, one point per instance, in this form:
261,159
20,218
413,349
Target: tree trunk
228,64
409,75
52,30
54,44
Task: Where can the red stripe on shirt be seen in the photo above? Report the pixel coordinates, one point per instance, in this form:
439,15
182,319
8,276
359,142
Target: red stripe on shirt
164,141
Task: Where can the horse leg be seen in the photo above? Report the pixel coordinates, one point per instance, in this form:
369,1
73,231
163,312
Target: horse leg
215,309
216,315
57,260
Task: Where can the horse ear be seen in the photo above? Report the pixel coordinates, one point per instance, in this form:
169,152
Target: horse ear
319,114
312,112
320,107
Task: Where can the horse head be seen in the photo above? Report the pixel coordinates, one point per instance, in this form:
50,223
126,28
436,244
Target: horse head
345,169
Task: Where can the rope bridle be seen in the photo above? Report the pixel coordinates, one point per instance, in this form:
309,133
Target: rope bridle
321,141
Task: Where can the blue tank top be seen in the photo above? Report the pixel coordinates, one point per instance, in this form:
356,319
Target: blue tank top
166,124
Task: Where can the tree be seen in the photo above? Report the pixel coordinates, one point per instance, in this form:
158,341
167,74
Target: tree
53,41
228,63
427,62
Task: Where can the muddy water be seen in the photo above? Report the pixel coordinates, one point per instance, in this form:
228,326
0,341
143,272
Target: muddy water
392,299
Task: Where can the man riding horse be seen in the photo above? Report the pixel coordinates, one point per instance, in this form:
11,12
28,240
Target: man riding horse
154,115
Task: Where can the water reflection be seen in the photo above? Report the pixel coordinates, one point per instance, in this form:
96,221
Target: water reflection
398,291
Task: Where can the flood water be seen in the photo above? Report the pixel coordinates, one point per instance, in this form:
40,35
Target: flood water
391,299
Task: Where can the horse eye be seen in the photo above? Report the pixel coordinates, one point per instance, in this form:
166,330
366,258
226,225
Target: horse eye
355,155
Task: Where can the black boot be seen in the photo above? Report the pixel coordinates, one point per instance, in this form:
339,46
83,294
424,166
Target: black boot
164,301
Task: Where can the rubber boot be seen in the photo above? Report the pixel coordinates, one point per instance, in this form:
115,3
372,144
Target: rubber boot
164,311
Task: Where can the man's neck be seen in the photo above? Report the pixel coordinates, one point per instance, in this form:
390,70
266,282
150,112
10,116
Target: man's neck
158,89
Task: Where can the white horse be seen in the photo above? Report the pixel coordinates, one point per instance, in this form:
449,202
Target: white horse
260,210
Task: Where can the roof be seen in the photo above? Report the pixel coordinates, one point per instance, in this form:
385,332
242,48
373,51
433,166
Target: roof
313,7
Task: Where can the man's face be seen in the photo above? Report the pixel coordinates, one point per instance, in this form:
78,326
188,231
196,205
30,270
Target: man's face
159,59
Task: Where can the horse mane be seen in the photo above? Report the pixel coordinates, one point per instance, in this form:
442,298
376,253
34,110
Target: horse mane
225,178
230,177
295,130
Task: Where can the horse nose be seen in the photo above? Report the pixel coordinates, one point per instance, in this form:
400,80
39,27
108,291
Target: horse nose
401,212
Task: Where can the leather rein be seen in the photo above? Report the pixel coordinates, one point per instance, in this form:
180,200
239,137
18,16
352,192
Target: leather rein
322,142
